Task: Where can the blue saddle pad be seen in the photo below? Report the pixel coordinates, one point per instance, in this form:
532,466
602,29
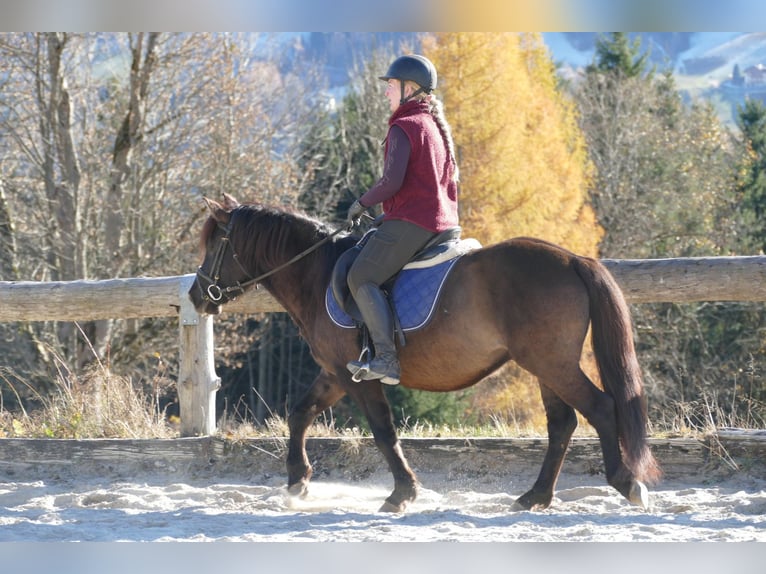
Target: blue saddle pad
414,295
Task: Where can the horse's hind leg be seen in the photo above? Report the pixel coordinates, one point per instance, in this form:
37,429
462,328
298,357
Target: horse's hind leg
599,410
323,393
562,422
378,413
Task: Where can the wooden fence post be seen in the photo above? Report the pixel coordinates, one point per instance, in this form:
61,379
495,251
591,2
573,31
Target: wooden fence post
197,380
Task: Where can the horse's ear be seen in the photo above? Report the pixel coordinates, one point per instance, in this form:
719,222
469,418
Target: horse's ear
229,202
217,210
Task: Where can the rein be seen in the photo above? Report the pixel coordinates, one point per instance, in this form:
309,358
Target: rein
215,293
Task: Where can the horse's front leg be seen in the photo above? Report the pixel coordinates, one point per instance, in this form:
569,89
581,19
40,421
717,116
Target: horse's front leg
378,412
323,393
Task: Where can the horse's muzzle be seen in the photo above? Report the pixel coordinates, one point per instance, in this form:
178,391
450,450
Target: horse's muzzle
201,299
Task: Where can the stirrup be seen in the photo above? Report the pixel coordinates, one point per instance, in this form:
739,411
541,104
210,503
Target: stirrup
361,367
362,372
358,372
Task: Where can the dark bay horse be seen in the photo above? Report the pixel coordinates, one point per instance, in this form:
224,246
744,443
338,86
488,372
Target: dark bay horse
523,299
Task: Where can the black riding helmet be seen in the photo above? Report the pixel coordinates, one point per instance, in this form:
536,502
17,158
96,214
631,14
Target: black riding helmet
415,68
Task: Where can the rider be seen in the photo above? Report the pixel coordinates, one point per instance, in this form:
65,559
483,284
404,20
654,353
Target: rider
419,194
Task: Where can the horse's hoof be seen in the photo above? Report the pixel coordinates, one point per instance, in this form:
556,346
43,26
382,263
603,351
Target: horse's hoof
391,507
517,507
298,490
531,501
639,494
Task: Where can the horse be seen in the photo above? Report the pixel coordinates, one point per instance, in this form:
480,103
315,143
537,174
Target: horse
523,299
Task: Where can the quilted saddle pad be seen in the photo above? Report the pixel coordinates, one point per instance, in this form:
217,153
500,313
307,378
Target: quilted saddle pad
414,295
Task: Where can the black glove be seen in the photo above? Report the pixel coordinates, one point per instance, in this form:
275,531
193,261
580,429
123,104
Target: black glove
355,213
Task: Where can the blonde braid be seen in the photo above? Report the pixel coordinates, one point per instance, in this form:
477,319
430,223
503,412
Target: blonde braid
436,108
437,111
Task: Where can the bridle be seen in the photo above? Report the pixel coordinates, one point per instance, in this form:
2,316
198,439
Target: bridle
215,293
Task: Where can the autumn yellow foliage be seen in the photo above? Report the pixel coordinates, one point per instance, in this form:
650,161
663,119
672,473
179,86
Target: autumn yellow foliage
523,162
524,168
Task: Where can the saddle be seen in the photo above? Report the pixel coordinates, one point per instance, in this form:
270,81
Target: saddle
412,293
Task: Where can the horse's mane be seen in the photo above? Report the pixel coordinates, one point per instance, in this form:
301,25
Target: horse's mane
268,235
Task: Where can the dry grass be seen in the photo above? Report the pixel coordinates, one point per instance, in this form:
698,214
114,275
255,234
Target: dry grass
95,404
100,404
706,416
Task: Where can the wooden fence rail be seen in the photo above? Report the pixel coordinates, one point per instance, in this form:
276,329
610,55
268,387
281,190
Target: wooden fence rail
642,280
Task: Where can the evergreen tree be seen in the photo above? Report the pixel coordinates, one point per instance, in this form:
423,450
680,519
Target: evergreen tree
617,55
751,120
736,76
342,155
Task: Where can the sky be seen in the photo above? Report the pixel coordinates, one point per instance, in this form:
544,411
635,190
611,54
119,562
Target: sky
381,15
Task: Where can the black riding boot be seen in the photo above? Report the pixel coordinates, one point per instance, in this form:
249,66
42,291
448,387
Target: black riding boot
376,313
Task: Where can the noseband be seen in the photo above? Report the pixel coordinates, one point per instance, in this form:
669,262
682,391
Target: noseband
215,293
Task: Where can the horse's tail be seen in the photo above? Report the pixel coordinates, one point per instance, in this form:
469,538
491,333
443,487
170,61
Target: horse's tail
612,334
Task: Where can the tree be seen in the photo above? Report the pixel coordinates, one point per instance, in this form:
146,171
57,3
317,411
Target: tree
665,186
736,76
661,167
108,142
344,151
8,248
523,163
618,56
523,166
751,119
86,184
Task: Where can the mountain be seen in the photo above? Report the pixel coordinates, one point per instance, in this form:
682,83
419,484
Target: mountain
703,63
